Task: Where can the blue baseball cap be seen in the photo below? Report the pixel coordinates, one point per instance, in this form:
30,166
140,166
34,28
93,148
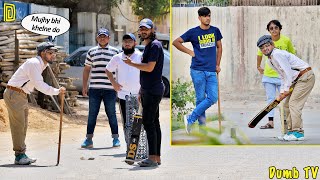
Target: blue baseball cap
103,31
129,36
146,23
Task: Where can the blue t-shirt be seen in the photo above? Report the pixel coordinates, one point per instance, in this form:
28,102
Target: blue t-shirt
151,82
204,44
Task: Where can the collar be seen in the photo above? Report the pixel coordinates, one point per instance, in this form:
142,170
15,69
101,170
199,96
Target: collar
43,66
270,55
107,46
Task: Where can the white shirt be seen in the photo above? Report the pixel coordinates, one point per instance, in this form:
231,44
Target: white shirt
127,76
288,67
32,70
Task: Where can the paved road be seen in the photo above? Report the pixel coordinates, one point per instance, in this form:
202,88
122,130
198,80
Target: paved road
218,162
238,119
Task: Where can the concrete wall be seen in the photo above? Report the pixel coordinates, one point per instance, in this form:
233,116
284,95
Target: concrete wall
240,28
129,22
87,28
63,39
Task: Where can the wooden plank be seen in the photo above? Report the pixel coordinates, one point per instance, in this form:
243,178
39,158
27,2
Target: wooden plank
6,41
32,99
5,63
6,33
55,83
16,60
2,38
28,46
7,68
7,27
7,50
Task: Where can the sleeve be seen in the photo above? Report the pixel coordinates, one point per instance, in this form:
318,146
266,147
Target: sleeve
154,52
291,48
34,73
88,61
285,71
186,37
112,65
218,35
259,53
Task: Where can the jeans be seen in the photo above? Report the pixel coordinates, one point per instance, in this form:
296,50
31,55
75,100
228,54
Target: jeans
271,90
109,99
151,123
206,88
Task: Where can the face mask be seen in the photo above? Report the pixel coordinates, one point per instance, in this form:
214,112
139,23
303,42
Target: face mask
128,51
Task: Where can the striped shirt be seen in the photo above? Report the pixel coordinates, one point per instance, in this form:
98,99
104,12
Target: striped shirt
98,58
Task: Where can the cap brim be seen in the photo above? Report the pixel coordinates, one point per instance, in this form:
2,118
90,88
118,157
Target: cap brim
103,34
53,48
127,36
145,25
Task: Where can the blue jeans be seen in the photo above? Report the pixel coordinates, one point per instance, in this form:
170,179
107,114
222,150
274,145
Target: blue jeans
271,89
109,99
206,88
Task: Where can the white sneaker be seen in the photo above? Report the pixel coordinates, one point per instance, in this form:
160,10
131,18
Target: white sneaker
281,137
186,124
295,136
285,136
23,159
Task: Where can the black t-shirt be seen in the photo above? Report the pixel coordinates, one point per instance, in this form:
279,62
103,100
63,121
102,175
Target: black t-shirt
151,82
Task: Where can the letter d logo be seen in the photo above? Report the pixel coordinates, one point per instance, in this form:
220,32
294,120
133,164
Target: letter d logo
9,12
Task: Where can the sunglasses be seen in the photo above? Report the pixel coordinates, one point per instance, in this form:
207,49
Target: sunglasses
264,46
273,27
51,52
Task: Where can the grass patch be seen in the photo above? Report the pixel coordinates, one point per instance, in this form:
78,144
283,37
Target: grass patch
175,125
179,124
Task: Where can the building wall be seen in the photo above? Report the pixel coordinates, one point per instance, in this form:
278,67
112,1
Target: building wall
241,27
129,23
63,39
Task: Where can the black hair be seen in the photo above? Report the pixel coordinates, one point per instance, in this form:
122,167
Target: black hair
276,22
204,11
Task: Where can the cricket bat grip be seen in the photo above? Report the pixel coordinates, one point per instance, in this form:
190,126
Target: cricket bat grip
140,109
290,91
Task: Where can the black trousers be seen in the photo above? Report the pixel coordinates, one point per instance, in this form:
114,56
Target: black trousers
123,111
150,119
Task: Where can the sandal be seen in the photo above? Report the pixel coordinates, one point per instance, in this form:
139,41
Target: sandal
148,163
267,126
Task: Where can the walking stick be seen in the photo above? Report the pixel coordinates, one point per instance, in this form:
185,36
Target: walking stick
60,129
219,110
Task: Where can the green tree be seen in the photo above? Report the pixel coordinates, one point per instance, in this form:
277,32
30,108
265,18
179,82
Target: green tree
151,8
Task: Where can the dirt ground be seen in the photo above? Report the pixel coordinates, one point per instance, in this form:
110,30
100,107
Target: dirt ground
46,121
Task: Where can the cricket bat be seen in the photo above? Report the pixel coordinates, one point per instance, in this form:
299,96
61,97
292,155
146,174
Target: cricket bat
265,111
134,139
